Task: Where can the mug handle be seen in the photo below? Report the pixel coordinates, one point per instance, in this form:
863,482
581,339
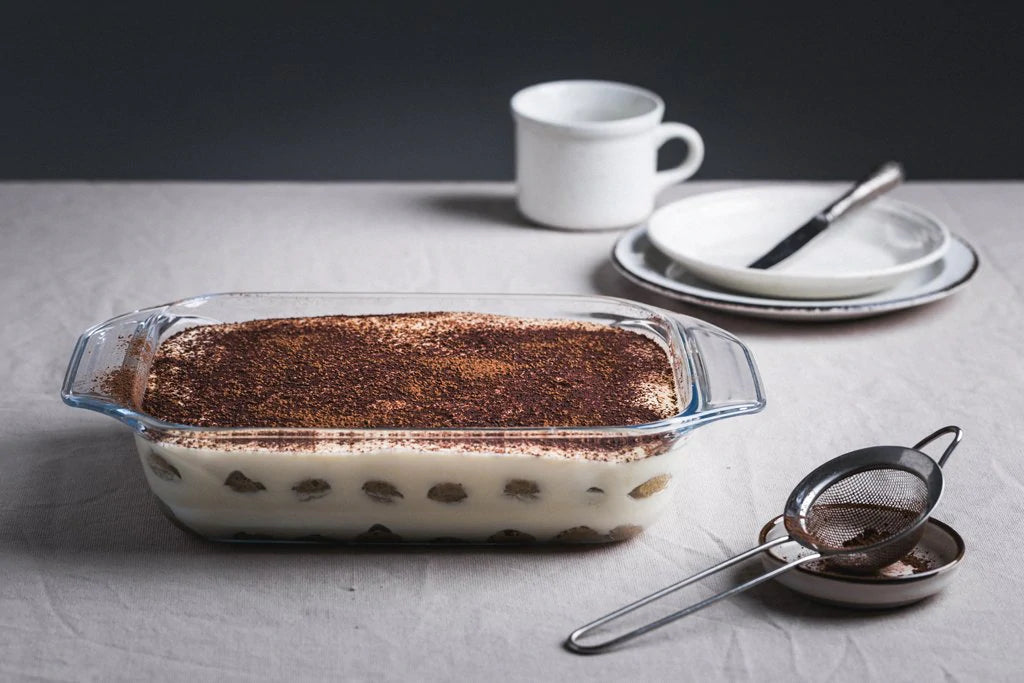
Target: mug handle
694,157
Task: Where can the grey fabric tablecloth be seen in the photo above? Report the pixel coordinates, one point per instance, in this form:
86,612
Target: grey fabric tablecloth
95,584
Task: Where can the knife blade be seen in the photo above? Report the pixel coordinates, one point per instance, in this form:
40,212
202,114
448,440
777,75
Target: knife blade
879,181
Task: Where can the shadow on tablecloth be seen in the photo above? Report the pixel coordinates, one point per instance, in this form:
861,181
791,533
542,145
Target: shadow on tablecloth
77,501
494,208
479,209
82,491
606,280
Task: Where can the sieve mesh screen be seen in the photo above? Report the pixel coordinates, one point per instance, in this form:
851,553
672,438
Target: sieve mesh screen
863,509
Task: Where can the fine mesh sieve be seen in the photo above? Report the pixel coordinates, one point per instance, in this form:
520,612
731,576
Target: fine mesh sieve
863,510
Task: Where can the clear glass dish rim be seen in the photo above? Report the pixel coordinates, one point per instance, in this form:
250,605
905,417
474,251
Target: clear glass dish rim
691,415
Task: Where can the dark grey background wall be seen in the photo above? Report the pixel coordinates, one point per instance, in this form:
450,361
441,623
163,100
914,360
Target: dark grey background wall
387,90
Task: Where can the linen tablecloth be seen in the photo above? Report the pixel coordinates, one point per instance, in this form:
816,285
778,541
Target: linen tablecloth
95,584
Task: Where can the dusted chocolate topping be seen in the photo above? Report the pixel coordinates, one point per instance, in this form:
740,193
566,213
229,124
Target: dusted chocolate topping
423,370
122,383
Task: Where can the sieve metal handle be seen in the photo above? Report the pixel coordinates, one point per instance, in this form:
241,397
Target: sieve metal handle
957,433
572,642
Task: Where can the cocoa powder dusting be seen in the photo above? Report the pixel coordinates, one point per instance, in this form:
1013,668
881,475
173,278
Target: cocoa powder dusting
122,383
867,536
918,563
417,371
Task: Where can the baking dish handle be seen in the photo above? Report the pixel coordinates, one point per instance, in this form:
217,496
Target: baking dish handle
725,377
104,368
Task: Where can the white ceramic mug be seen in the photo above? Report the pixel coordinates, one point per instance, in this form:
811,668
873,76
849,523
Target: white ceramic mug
587,153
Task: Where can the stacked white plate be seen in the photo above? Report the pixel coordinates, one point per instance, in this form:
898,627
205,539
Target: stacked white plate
883,257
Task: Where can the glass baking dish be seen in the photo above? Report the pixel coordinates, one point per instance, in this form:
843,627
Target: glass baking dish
492,485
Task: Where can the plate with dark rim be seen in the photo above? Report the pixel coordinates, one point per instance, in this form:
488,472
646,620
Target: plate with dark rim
640,262
928,569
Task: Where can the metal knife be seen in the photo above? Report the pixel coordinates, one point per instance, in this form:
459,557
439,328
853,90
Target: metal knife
883,179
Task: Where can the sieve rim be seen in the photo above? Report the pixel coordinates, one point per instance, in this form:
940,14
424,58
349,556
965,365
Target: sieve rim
810,488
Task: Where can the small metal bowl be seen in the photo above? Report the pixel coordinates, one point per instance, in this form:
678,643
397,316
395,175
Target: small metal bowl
936,559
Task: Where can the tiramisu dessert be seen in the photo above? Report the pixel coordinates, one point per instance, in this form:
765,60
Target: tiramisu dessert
358,417
415,386
421,382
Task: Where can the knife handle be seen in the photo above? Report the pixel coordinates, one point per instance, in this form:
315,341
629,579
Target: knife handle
880,181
